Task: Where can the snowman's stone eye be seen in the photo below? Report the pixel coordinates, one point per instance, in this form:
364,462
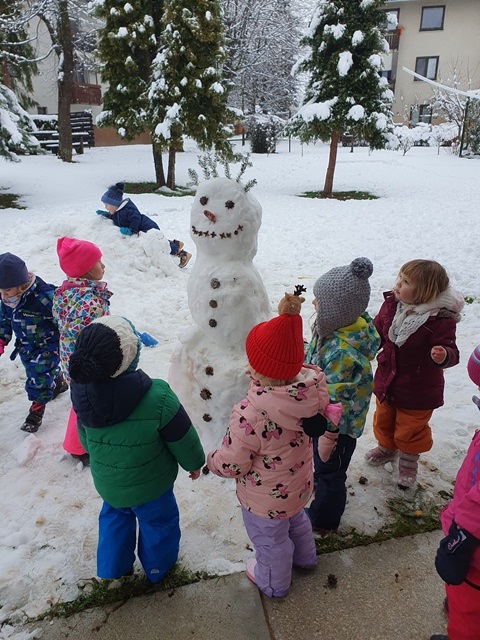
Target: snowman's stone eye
229,204
203,200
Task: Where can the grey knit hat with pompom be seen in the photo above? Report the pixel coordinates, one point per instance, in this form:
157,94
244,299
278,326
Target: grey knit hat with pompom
342,295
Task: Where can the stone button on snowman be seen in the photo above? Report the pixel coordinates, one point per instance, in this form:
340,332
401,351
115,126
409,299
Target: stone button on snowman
226,297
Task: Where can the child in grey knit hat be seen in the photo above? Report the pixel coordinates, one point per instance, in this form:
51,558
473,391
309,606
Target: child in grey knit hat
344,342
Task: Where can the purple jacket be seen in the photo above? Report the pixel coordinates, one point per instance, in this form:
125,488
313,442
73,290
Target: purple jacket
406,376
465,506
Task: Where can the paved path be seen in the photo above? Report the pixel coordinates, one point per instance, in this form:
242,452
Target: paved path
387,591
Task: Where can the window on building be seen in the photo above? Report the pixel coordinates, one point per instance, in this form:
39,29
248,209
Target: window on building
420,113
42,111
393,16
432,18
426,66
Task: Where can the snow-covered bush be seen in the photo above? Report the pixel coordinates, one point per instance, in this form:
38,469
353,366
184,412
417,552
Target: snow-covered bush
263,130
444,134
408,136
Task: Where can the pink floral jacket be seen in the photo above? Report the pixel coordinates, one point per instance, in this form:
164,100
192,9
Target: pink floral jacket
265,448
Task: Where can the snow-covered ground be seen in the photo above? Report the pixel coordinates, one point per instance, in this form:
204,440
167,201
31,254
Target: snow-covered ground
428,207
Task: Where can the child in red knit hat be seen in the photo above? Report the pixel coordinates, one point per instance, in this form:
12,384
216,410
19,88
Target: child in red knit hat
268,449
81,298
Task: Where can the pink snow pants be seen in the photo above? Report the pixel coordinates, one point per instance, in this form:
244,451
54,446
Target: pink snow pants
280,544
71,443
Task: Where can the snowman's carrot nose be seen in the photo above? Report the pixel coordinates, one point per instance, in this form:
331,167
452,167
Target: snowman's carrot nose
212,217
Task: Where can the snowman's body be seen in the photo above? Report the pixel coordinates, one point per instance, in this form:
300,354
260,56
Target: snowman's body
226,297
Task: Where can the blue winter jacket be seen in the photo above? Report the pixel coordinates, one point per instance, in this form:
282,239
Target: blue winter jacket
31,323
127,215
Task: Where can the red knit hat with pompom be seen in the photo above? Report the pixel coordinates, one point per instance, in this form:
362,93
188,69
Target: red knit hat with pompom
275,348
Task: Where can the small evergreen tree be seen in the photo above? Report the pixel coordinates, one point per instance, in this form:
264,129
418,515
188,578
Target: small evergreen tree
187,95
345,90
16,127
17,57
127,46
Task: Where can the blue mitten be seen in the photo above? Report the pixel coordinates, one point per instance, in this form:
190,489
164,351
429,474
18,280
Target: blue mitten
126,231
102,212
453,555
147,339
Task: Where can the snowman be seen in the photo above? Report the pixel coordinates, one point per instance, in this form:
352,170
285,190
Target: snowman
226,298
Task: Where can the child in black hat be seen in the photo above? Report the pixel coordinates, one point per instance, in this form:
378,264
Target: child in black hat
125,214
26,313
137,433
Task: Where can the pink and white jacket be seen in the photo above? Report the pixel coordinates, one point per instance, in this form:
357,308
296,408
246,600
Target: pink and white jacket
265,448
465,505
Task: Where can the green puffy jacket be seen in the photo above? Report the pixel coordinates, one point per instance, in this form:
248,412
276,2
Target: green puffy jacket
137,433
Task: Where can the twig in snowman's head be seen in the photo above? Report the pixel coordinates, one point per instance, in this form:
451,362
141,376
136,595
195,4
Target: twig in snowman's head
209,162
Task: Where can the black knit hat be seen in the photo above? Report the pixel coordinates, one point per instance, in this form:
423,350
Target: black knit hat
13,271
106,348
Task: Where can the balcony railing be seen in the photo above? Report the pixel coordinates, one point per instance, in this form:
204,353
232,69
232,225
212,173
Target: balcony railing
86,93
393,39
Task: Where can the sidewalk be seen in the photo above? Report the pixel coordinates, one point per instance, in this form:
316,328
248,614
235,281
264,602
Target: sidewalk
387,591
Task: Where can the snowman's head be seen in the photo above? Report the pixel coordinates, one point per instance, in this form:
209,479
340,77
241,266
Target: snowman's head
225,220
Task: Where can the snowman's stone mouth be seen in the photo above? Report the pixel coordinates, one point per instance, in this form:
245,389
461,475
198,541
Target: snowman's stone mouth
213,234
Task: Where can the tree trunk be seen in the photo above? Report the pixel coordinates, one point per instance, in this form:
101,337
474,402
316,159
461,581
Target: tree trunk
332,160
171,168
158,162
65,82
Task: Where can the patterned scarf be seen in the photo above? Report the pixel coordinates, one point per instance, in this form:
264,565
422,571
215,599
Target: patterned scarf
410,317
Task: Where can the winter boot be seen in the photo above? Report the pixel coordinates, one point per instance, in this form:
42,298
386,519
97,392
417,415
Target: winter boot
407,469
84,458
379,455
184,258
34,418
60,386
250,569
180,246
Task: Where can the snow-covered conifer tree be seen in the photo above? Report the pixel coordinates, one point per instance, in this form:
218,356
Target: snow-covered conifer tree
16,127
127,46
187,95
17,65
345,91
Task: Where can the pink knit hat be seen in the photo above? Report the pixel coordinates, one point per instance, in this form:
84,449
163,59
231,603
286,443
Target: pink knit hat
473,366
77,257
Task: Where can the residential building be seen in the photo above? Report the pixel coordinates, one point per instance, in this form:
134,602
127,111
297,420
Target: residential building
437,40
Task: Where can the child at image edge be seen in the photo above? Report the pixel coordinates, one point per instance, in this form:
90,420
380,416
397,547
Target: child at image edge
344,342
81,298
458,556
125,214
137,433
268,451
26,313
417,324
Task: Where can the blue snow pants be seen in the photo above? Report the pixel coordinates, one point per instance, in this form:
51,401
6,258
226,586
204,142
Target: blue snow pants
158,538
41,367
330,498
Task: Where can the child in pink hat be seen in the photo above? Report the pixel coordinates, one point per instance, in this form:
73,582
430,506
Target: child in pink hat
81,298
458,556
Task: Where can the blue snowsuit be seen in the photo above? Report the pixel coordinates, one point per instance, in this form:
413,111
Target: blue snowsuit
127,215
37,339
